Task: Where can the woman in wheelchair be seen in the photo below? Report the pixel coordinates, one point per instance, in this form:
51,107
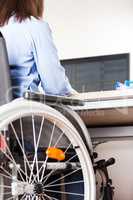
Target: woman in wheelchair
32,55
45,150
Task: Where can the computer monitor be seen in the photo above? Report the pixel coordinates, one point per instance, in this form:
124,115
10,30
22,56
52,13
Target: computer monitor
97,73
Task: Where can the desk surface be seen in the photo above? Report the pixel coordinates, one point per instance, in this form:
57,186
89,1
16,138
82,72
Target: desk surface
106,107
105,95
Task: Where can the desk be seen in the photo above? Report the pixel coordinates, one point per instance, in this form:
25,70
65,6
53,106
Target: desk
105,110
106,107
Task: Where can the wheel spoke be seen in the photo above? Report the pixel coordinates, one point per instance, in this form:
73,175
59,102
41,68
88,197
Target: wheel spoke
23,197
36,148
64,176
55,146
61,135
6,193
10,175
67,183
14,162
23,145
45,162
68,193
35,145
11,159
48,176
53,198
10,198
15,133
5,186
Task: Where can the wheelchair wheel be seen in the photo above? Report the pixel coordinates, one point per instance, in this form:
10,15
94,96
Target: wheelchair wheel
44,156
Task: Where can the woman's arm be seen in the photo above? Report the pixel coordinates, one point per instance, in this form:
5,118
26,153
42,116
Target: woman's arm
52,74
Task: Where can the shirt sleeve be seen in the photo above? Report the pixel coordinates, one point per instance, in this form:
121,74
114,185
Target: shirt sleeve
52,74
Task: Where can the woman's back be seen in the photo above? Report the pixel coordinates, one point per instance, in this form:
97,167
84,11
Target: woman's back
33,57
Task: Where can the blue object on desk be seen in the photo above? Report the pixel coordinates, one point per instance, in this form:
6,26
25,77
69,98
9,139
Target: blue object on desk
128,83
118,85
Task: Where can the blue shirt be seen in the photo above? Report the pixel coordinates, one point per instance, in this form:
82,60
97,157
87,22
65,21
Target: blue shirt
33,58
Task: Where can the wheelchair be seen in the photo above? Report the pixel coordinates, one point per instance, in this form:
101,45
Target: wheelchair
45,149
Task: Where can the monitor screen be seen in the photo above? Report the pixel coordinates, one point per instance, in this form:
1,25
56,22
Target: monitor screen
97,73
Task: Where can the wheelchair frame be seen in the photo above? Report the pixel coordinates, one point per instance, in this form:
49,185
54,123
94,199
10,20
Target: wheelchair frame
21,181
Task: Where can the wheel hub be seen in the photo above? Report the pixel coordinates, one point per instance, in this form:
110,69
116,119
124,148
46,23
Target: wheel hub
39,189
21,188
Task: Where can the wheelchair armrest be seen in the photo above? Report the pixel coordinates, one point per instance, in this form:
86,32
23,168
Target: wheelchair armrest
52,99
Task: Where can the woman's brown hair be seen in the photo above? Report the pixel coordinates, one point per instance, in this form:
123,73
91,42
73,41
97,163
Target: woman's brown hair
22,9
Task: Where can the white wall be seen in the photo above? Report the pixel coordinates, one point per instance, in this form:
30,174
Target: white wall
89,28
69,22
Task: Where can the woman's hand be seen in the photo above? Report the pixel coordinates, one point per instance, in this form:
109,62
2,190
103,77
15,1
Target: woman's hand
73,93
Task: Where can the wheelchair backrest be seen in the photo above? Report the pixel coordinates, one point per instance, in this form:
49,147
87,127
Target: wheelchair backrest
5,82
